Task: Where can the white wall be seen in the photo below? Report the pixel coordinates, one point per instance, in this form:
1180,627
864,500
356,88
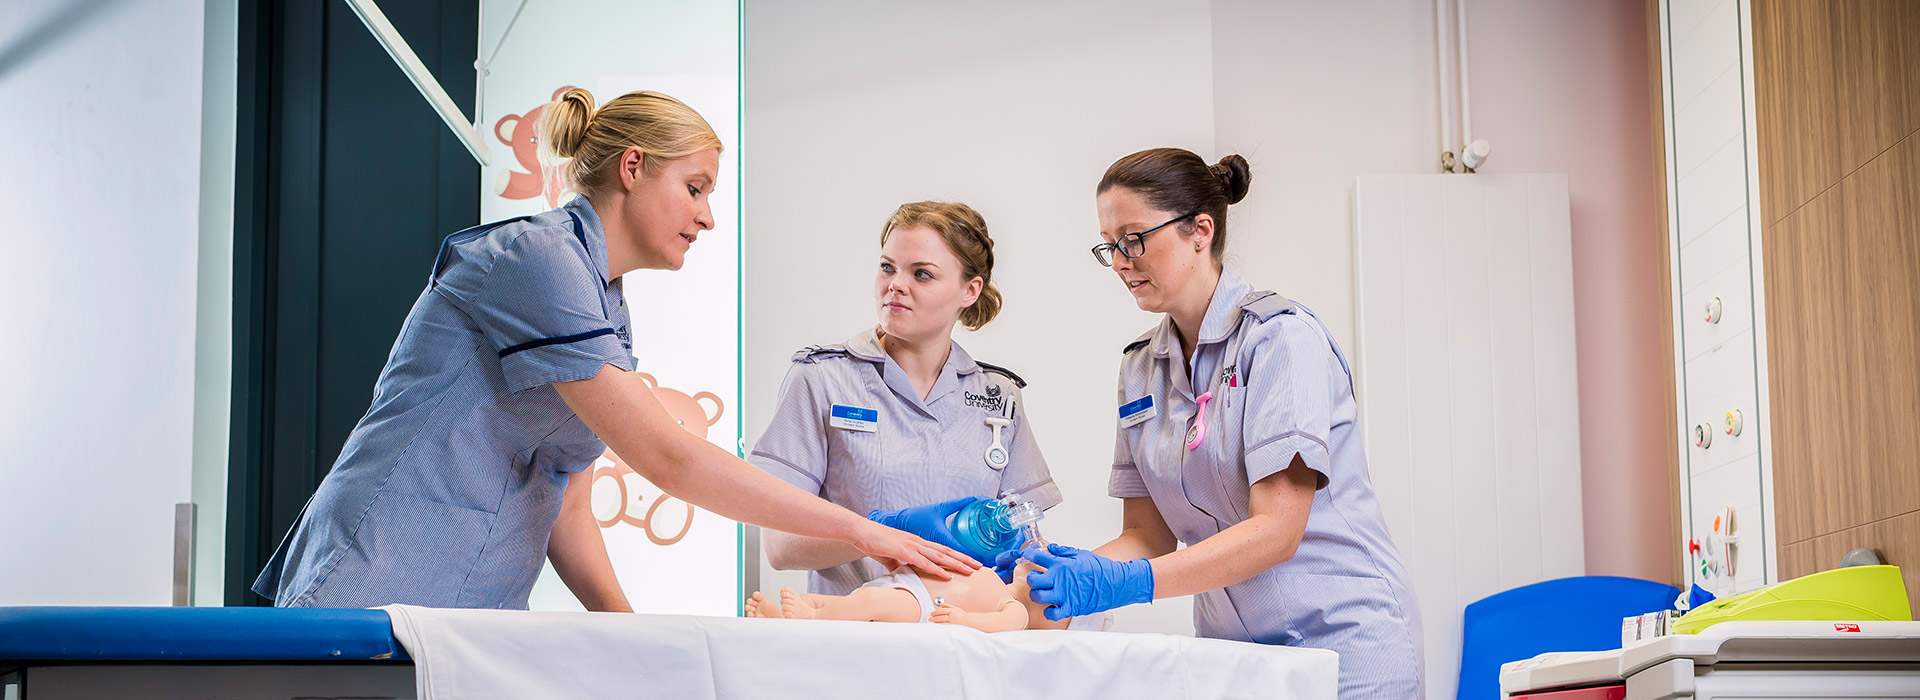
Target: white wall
1556,87
1563,87
1348,92
854,109
97,294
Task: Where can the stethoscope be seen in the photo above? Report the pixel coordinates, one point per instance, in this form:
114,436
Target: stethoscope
996,453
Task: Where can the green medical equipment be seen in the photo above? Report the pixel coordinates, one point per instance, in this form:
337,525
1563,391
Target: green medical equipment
1850,594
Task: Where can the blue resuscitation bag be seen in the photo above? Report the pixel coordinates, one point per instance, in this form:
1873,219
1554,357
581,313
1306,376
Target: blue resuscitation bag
987,527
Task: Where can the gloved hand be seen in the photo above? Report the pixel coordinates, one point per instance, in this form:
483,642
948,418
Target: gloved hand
1004,563
1078,582
928,521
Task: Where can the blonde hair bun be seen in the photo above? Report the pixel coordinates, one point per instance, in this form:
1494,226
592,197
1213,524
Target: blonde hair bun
563,125
663,128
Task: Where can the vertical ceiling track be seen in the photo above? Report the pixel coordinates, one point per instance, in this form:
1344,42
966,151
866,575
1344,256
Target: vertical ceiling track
483,60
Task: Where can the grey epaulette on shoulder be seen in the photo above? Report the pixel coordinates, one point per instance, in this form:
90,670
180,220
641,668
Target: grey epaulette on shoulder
1137,343
997,369
813,353
1264,305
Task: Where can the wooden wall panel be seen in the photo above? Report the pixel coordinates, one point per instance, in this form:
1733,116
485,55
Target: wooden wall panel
1898,540
1837,92
1874,50
1837,83
1908,40
1793,89
1843,296
1880,219
1799,271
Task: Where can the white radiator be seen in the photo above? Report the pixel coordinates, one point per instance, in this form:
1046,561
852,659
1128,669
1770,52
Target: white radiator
1463,297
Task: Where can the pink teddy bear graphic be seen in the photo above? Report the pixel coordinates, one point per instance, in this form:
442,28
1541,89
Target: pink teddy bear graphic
523,136
691,414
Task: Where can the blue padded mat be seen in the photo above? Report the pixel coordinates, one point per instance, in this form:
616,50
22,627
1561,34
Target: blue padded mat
196,634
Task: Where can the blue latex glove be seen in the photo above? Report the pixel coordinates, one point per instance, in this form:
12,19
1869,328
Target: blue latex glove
928,521
1003,564
1078,582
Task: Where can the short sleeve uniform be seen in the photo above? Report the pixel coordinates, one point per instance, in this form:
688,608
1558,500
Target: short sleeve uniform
915,451
447,489
1280,389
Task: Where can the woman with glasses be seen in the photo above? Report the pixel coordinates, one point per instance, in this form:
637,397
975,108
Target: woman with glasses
1238,437
899,422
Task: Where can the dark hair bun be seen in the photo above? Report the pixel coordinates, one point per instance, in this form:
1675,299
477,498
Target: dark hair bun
1236,176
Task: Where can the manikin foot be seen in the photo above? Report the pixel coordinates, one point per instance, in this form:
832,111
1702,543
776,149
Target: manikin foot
761,606
797,607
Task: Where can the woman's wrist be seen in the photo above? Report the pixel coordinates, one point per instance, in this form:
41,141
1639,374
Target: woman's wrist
851,528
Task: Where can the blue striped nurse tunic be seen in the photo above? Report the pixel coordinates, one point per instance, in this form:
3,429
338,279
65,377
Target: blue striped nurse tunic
447,489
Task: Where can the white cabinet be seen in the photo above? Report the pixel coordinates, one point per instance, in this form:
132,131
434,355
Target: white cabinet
1713,230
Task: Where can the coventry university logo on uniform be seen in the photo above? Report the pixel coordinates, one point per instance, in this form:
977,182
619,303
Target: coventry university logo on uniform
991,401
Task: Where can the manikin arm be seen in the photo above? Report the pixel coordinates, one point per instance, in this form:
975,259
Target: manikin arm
1011,616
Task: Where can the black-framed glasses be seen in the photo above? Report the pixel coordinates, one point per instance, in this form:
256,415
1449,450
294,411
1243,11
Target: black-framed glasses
1132,245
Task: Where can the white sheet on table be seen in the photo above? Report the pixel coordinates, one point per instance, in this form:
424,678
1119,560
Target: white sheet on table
482,654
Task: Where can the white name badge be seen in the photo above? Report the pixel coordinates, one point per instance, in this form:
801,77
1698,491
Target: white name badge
1137,411
865,420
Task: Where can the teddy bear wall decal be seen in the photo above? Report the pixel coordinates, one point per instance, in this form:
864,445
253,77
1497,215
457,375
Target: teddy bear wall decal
639,503
521,133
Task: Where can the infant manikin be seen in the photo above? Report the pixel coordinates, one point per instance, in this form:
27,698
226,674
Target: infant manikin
979,601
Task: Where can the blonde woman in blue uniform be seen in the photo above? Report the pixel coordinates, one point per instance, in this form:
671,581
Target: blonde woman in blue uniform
1237,436
515,364
900,422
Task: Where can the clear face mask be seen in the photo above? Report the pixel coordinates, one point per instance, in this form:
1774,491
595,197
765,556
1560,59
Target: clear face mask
991,526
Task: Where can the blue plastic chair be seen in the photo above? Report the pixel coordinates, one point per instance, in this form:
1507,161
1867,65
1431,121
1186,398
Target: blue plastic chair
1582,613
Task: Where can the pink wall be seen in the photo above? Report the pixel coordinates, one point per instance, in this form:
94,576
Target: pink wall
1562,85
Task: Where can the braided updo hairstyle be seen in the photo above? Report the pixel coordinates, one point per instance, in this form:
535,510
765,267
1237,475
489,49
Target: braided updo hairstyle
965,233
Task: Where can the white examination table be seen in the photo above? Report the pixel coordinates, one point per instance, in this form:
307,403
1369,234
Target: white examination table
405,652
479,654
